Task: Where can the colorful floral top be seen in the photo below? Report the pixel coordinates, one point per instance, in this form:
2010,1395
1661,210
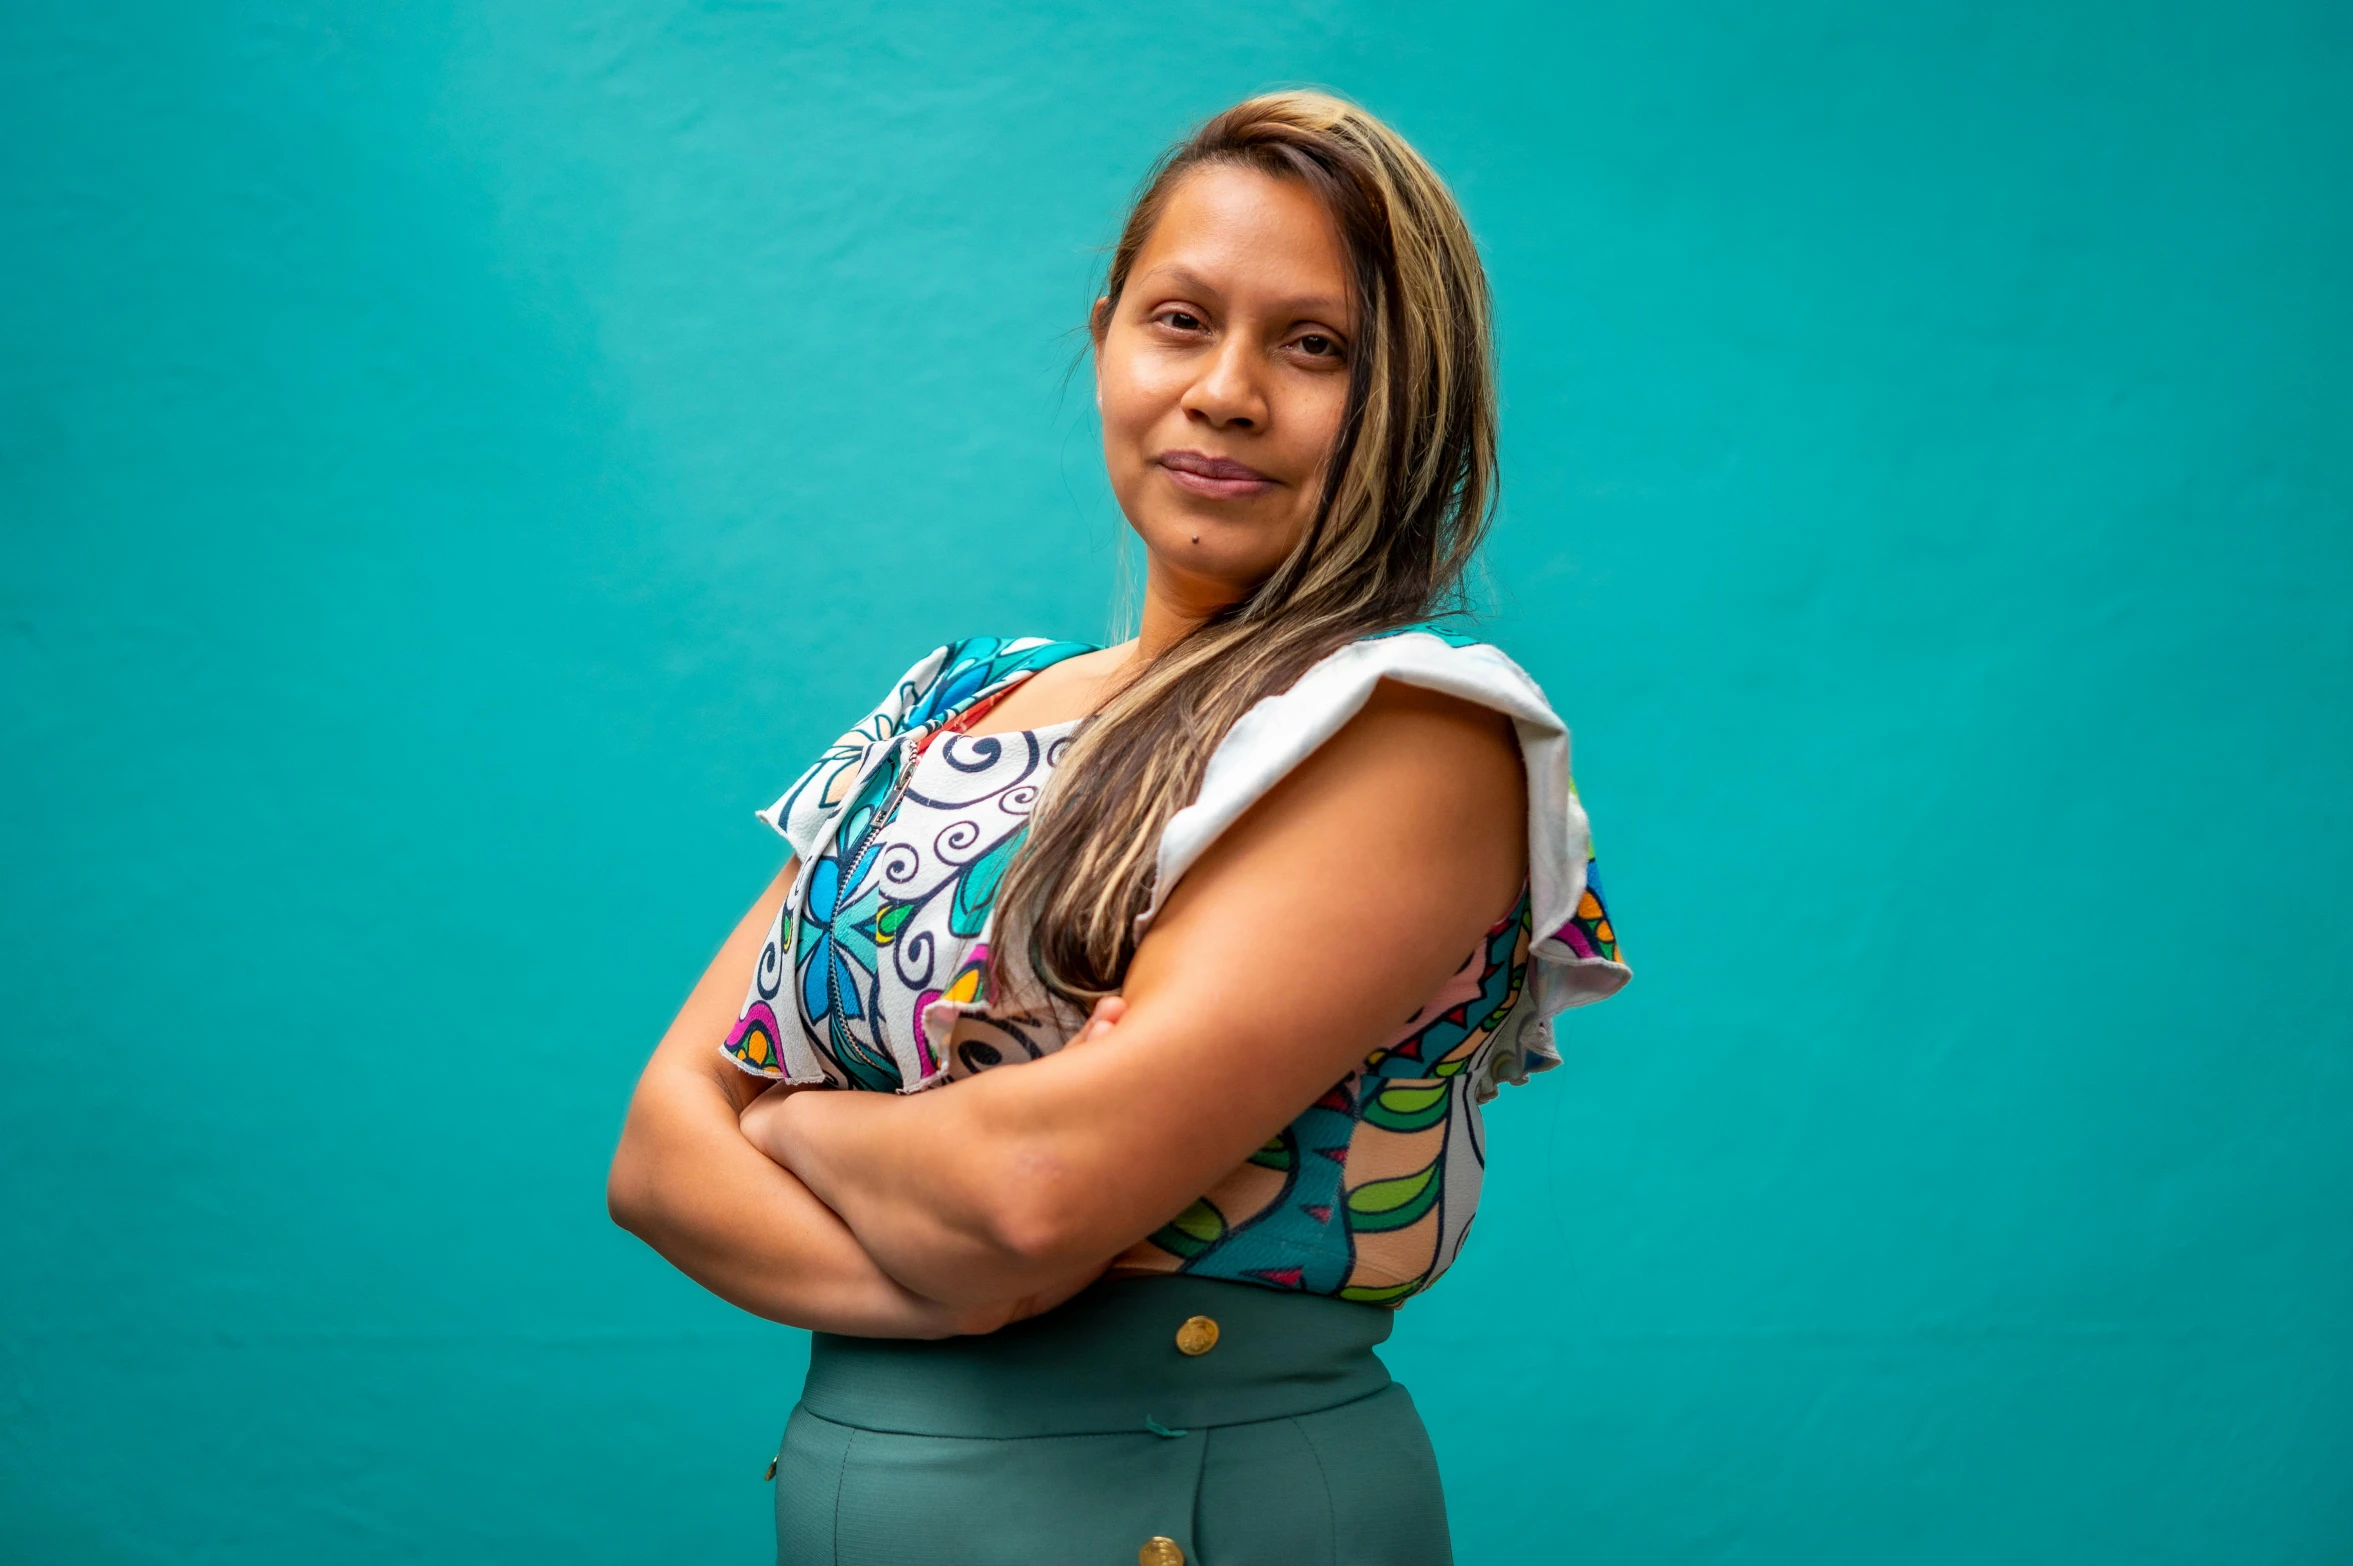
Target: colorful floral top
874,975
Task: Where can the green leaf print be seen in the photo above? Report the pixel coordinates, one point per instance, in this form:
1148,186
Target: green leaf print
1408,1106
1192,1231
976,888
1393,1204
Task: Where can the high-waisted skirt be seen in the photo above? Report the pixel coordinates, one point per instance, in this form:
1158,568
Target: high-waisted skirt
1088,1437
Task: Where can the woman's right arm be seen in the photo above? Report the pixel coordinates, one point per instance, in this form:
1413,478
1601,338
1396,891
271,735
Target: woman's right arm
685,1181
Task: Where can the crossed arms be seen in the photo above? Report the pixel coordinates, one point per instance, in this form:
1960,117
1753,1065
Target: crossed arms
1333,909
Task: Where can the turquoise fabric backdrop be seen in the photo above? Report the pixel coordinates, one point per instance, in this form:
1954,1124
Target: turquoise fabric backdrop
458,460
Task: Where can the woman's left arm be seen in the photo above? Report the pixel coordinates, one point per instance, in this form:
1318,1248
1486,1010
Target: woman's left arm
1310,930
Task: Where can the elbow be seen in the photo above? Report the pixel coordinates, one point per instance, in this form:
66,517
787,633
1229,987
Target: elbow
1035,1229
629,1191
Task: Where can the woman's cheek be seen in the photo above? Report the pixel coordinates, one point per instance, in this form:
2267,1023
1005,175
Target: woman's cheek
1125,423
1133,402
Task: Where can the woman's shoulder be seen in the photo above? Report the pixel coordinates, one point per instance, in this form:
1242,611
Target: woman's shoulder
1382,683
1432,656
1419,680
1449,761
1401,714
1396,674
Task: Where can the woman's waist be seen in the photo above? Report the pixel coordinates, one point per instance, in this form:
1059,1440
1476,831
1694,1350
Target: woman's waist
1135,1355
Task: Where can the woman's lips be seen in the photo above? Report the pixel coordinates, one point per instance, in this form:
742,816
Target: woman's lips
1221,478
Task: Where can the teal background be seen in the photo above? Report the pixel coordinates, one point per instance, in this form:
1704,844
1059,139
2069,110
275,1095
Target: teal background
457,461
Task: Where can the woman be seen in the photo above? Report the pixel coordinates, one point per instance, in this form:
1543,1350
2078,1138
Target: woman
1122,1301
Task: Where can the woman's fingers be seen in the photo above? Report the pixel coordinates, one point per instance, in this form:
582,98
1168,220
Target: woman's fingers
758,1119
1046,1299
1102,1019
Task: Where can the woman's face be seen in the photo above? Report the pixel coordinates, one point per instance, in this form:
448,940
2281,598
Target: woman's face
1222,378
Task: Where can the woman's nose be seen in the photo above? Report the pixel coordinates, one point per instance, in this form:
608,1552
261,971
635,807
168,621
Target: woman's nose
1227,393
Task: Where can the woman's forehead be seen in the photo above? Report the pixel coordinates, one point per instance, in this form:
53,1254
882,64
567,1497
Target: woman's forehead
1226,230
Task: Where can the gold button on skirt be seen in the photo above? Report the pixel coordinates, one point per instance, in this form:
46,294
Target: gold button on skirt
1196,1337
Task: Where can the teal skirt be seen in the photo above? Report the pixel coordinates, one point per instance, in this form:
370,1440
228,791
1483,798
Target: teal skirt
1086,1436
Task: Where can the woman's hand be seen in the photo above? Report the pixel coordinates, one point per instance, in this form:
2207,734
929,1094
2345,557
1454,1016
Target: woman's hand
976,1320
759,1121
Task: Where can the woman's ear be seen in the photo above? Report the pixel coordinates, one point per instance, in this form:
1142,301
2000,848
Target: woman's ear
1098,323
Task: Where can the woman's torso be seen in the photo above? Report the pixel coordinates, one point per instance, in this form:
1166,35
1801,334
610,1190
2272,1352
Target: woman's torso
878,972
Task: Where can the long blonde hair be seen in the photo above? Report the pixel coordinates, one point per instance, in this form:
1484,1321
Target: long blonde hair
1407,491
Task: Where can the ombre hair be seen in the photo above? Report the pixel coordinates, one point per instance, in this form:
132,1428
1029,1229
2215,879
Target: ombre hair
1407,490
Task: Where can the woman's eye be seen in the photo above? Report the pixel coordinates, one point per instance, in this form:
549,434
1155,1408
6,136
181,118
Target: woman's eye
1182,320
1319,345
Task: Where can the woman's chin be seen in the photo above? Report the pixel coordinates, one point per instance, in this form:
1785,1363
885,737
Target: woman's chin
1236,558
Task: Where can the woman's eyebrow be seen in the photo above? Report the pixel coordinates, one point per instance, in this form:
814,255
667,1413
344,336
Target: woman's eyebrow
1183,279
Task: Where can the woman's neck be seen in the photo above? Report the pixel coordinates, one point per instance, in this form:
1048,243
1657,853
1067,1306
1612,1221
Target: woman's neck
1175,605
